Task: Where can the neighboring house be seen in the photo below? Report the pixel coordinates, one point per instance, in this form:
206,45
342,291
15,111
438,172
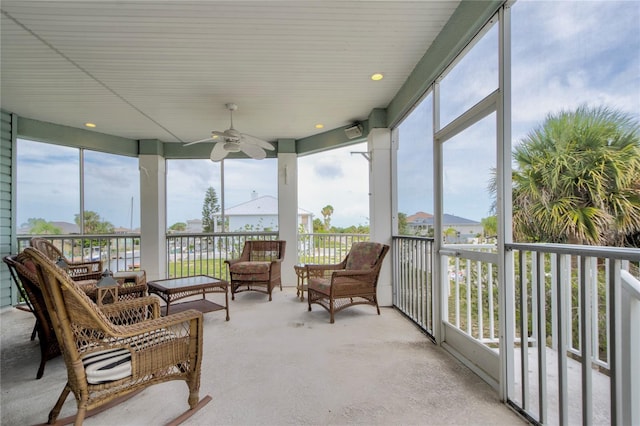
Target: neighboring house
66,228
260,214
194,226
466,230
419,223
121,230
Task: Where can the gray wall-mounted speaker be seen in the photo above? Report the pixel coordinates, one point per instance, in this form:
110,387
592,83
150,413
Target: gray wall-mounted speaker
353,131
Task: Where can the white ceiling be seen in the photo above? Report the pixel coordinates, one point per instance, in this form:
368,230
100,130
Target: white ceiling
164,69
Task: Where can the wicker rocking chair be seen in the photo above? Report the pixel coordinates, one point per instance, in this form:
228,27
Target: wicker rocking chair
116,350
24,274
258,267
351,282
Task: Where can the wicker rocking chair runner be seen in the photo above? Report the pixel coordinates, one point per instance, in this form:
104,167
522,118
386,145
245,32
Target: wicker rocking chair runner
351,282
118,349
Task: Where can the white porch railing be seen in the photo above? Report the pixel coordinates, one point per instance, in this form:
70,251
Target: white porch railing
205,253
118,252
576,309
413,280
326,249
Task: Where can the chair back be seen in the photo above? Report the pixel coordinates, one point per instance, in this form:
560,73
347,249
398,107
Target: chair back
47,248
76,319
263,250
365,255
24,273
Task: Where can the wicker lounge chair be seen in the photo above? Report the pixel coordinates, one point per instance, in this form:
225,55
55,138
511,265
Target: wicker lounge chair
351,282
116,350
258,268
87,274
24,274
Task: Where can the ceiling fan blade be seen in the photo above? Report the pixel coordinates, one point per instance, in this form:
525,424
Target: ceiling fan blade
218,152
201,140
253,151
256,141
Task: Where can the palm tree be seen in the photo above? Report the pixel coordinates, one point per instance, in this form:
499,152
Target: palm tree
577,179
326,212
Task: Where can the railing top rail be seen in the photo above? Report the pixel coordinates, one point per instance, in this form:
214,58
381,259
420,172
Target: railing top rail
77,236
334,234
222,234
413,237
621,253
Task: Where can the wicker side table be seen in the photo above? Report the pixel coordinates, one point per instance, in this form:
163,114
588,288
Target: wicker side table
301,286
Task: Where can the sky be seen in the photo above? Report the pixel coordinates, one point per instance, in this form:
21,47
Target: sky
564,54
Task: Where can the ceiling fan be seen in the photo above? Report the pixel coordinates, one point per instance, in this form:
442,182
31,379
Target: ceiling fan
232,140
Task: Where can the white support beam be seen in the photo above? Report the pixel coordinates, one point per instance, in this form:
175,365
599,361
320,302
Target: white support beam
380,211
153,222
288,214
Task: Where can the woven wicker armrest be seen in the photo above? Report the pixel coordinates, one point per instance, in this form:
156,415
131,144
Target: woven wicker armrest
353,273
181,324
232,261
133,310
323,271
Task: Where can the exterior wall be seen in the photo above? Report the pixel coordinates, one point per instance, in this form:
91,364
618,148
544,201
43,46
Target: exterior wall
238,223
8,244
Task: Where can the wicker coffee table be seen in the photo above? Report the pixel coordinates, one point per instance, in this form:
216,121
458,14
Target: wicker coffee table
179,288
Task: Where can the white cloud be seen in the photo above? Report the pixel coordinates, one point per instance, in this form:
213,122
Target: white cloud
339,179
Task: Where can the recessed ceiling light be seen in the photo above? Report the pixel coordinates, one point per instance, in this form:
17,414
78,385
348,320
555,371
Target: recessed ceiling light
319,126
377,76
90,125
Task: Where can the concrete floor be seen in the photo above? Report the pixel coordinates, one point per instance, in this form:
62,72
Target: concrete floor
274,363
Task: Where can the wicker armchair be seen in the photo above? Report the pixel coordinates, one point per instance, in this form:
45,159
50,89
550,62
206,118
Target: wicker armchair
351,282
257,268
114,351
23,272
78,271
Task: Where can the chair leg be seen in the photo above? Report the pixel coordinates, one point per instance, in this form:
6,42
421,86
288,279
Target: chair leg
331,310
43,361
55,411
35,330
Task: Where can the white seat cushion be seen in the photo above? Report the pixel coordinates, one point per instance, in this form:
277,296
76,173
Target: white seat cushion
107,366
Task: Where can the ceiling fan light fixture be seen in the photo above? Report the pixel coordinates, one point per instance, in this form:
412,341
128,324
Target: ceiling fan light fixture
231,147
232,140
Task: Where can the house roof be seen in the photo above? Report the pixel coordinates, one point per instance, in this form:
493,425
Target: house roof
418,217
265,205
422,218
